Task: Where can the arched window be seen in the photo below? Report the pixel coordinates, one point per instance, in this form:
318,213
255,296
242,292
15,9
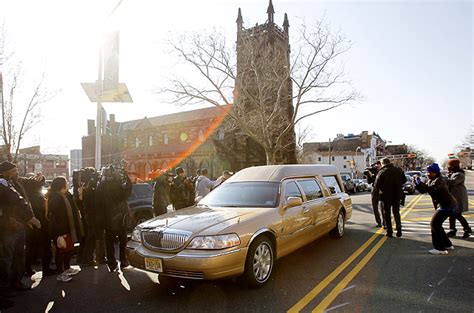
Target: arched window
165,139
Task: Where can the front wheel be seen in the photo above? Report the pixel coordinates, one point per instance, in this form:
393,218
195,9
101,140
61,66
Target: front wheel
259,262
339,230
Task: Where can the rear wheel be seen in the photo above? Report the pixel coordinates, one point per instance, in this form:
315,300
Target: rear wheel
259,262
339,230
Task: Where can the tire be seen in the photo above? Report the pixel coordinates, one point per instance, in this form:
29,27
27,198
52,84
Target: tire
339,230
259,262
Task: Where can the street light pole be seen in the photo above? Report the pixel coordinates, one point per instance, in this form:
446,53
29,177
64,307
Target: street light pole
98,128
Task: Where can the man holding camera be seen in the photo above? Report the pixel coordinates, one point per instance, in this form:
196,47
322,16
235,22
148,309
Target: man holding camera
112,194
182,190
371,174
389,182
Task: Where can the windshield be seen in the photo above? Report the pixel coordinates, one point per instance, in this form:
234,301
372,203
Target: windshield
244,194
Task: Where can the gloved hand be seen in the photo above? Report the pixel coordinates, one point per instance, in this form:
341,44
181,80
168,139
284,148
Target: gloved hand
35,222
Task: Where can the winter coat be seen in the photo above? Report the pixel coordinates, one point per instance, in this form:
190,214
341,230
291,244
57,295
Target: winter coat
111,200
59,220
161,194
389,182
439,192
182,192
15,211
457,188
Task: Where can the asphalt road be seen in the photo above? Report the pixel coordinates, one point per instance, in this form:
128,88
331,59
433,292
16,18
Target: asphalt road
362,272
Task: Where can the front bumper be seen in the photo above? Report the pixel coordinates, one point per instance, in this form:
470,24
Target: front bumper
191,264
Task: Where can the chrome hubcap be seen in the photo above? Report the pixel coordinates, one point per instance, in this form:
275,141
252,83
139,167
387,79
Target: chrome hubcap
340,223
262,262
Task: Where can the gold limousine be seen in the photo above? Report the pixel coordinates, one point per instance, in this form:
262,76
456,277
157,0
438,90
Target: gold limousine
257,216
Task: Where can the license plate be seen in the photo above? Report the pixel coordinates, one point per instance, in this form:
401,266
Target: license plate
155,265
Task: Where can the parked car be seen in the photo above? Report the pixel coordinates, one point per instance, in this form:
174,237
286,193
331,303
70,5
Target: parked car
420,174
239,229
349,184
361,184
409,186
141,203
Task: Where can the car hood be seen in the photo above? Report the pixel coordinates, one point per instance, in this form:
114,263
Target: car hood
202,220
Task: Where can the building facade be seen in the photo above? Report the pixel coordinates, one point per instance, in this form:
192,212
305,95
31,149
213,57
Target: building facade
351,154
31,160
148,145
75,160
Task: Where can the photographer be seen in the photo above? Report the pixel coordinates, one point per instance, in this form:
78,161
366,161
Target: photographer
112,194
182,190
371,174
85,184
161,193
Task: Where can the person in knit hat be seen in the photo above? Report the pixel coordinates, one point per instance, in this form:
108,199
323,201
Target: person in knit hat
444,204
455,181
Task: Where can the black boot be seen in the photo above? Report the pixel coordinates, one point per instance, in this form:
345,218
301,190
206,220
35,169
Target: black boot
451,233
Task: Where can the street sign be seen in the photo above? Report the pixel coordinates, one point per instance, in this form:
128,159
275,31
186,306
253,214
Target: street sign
121,94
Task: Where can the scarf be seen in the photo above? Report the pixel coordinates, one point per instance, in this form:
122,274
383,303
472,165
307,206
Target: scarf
70,216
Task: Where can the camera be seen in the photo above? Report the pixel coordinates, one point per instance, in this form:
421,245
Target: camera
85,177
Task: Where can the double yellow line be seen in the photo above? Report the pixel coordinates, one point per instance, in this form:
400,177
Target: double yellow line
348,278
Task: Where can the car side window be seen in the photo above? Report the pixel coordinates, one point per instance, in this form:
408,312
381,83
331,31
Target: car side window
311,189
292,190
332,183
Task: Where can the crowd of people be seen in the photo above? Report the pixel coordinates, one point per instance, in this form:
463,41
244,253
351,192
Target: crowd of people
34,225
95,215
449,195
181,191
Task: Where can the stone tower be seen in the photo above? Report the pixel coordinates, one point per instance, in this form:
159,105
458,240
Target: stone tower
263,49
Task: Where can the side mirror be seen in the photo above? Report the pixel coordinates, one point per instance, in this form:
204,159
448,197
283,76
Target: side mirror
292,202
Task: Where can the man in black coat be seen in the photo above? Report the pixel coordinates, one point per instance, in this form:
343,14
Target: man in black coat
161,194
16,217
182,190
389,182
371,174
112,195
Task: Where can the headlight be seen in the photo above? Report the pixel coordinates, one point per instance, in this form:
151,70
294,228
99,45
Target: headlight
214,242
136,234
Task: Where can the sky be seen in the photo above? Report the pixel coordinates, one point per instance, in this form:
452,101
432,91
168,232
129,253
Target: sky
411,60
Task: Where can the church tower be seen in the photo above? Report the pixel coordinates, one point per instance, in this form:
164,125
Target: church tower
266,45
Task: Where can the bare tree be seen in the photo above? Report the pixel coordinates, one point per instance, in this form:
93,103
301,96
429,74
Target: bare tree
12,134
312,76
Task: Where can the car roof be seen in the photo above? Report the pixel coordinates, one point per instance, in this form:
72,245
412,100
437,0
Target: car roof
276,173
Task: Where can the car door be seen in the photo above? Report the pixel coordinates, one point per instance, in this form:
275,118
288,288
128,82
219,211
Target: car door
316,204
334,198
297,222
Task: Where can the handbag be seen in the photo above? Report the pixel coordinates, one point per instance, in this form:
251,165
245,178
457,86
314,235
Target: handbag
64,243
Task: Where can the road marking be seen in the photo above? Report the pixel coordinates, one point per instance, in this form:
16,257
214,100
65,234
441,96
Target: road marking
349,277
326,281
335,292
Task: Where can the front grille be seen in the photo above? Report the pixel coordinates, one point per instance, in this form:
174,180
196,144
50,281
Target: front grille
183,274
165,239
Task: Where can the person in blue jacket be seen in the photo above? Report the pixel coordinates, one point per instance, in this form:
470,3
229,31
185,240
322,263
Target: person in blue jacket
445,205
